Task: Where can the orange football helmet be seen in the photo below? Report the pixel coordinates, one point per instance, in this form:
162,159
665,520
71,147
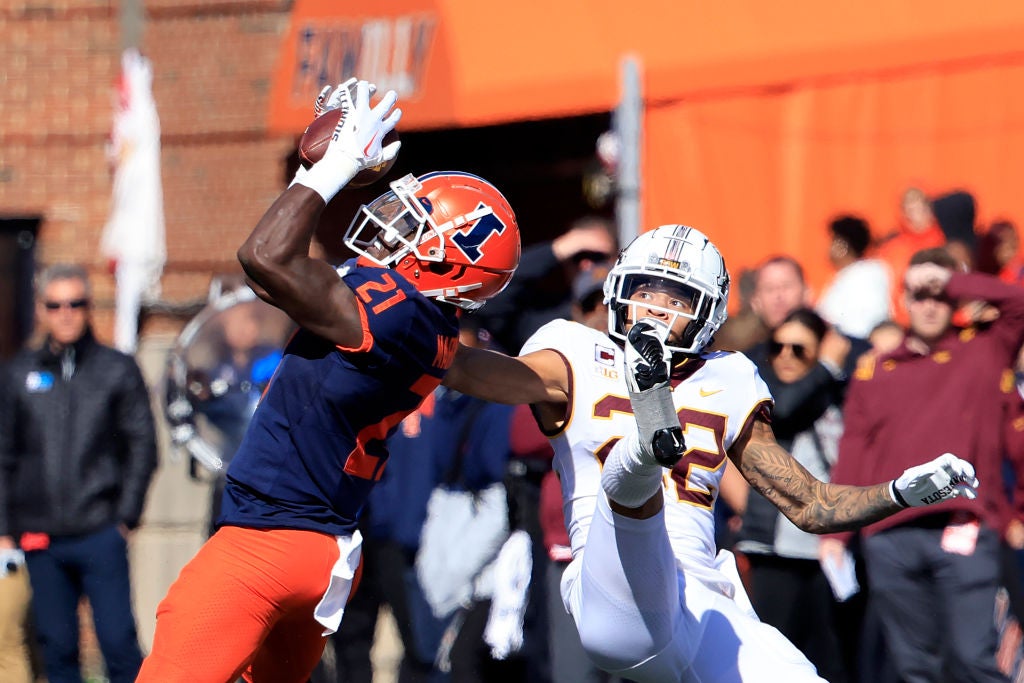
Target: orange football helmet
451,234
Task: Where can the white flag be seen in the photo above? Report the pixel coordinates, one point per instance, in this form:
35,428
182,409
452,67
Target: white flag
133,238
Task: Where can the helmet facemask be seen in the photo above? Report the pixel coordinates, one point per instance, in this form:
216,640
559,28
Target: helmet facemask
680,260
393,225
696,306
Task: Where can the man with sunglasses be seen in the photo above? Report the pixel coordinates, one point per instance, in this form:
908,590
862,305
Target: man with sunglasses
77,451
934,572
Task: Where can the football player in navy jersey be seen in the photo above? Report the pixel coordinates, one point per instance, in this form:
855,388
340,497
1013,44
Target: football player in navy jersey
376,337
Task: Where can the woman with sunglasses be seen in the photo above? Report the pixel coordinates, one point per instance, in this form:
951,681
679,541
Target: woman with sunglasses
788,588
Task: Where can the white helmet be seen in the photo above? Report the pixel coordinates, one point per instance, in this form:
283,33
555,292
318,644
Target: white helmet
680,255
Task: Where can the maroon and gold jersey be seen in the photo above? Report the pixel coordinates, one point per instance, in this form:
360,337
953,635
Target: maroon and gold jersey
716,395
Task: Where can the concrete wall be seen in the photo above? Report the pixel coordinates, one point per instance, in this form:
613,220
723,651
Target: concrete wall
175,519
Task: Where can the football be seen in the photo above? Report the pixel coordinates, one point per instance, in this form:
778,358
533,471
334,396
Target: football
318,135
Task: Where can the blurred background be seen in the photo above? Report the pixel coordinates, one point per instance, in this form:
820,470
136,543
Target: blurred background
755,122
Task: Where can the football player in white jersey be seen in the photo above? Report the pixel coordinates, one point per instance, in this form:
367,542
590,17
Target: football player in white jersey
642,420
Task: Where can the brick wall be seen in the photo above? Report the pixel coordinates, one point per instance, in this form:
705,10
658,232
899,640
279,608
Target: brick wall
212,64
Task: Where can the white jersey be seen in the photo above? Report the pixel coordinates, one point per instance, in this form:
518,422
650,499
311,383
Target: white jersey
716,403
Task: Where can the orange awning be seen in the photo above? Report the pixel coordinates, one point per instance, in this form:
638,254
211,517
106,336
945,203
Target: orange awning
459,63
763,119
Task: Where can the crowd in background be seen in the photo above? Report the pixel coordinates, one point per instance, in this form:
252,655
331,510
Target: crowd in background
807,346
845,601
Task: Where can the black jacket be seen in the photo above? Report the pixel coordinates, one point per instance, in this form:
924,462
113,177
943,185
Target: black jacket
797,406
77,440
539,292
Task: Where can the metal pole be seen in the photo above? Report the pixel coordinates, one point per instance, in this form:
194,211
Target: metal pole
628,126
132,19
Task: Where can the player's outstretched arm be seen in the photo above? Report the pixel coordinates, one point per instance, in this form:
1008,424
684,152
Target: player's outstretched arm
818,507
540,377
276,257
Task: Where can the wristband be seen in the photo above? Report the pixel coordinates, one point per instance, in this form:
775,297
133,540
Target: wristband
300,173
327,176
897,497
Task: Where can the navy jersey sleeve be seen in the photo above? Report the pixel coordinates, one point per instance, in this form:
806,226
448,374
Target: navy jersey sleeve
399,324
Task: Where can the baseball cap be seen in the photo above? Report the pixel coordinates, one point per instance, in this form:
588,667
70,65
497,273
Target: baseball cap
589,281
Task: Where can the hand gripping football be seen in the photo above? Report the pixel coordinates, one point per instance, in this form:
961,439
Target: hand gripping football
318,135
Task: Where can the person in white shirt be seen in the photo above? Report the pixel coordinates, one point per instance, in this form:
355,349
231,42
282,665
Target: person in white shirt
858,298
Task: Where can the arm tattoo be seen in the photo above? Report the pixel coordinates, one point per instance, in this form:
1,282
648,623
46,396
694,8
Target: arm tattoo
811,504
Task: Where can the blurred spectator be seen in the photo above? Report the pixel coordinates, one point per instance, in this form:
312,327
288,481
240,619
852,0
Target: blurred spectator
918,229
768,294
78,448
462,444
779,289
216,374
15,596
955,213
999,253
962,254
470,449
1013,531
789,588
776,288
858,296
236,384
744,328
934,571
588,296
886,336
541,289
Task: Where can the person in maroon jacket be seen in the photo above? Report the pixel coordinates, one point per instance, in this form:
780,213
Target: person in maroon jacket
934,571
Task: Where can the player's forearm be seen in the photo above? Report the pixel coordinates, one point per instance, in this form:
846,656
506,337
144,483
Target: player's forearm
493,376
279,244
837,507
812,505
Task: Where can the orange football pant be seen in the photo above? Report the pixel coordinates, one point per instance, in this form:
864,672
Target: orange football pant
243,606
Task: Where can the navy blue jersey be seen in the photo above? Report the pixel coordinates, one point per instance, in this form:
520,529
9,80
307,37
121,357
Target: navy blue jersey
316,443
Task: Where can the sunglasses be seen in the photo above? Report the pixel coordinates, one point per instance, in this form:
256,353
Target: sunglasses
775,348
73,304
921,295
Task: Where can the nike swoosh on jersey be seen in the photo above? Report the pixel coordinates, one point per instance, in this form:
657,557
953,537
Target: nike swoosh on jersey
704,393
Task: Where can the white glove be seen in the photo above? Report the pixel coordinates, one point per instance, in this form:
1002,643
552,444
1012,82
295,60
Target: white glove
941,479
356,143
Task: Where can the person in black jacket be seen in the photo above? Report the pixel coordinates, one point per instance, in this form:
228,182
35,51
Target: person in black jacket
789,589
77,451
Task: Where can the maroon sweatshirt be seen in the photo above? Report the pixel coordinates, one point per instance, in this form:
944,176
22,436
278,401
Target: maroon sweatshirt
904,409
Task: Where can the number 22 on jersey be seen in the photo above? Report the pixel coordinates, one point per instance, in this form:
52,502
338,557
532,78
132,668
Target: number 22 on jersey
705,454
